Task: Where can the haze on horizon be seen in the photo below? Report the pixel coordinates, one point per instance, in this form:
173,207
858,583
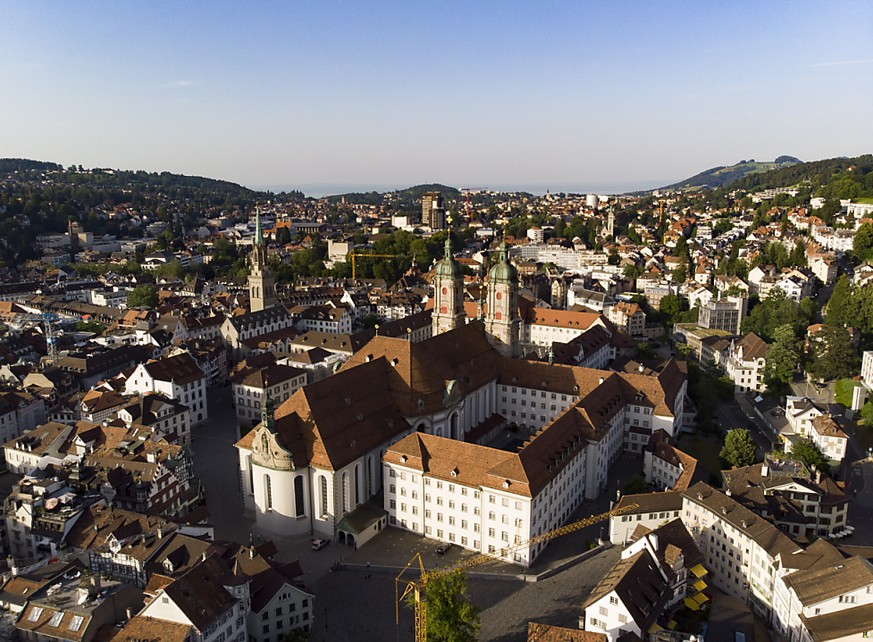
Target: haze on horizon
559,95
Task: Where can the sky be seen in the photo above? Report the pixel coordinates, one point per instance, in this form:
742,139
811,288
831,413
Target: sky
327,96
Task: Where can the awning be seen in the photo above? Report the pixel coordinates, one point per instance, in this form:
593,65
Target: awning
691,604
700,598
698,570
655,628
699,585
671,624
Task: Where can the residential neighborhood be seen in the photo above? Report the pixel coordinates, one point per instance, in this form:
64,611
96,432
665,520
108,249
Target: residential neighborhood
205,421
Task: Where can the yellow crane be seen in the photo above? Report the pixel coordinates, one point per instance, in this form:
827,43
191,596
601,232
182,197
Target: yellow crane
418,587
353,256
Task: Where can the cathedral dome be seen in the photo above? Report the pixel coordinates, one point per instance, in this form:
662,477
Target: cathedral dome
503,271
449,268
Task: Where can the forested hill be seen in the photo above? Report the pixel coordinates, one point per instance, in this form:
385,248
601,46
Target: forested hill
109,179
725,175
407,196
831,178
8,165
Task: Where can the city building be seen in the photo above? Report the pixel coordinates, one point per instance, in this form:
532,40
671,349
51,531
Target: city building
725,314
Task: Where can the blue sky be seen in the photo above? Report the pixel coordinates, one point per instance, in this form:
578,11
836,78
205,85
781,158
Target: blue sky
568,95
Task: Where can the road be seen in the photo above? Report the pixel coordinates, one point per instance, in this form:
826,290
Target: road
733,416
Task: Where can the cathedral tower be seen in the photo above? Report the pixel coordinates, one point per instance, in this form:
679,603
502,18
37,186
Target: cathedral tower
448,294
501,320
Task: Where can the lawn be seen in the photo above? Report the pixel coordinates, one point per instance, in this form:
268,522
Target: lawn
843,391
704,447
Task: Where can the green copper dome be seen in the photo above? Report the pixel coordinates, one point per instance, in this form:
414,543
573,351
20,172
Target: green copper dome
448,267
503,271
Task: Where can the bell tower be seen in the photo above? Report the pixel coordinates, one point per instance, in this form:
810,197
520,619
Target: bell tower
262,284
501,319
448,294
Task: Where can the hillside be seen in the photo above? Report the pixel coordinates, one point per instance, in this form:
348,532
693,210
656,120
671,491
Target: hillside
725,175
404,196
830,178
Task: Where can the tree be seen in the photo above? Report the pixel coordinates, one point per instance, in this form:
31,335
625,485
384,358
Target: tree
782,357
143,296
808,454
739,448
862,246
283,236
671,306
451,617
297,635
833,355
635,486
842,308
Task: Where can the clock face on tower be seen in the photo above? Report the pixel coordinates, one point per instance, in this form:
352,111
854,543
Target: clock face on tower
445,290
499,295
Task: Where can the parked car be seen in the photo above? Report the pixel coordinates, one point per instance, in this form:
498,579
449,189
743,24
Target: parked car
318,543
442,549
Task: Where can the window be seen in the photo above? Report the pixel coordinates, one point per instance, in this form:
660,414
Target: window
298,495
323,484
268,493
604,611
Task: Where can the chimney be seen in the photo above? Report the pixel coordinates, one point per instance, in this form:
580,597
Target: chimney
818,477
765,469
128,612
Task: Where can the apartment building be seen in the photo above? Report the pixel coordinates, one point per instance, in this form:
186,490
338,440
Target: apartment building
178,378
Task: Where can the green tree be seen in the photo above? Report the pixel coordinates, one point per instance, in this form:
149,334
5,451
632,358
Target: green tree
679,274
842,308
862,246
782,357
671,306
283,236
774,311
635,486
297,635
833,355
739,448
451,617
809,455
143,296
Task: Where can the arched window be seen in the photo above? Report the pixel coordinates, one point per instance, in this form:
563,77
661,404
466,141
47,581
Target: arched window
357,484
323,493
453,430
268,493
346,493
298,496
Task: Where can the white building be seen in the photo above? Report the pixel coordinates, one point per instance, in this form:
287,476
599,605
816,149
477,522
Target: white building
252,387
178,378
745,363
199,599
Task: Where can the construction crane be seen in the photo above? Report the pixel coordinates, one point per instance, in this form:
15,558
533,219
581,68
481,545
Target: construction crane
353,256
467,191
418,587
48,320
